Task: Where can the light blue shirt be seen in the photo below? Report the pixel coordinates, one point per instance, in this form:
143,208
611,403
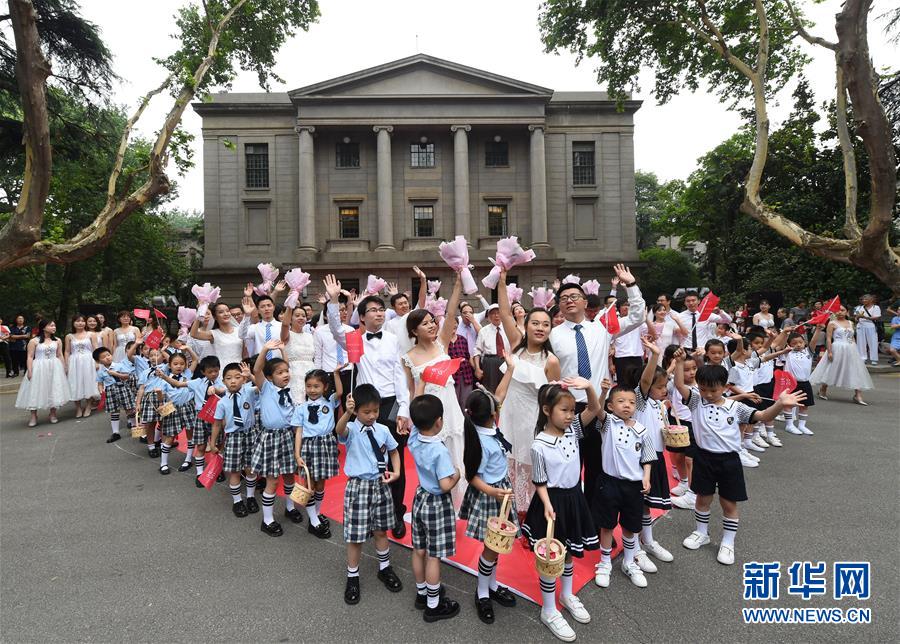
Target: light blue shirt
432,461
360,462
325,410
178,396
124,366
150,380
198,387
493,458
273,415
247,397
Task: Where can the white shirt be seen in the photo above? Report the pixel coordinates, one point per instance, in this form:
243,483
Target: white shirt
256,333
799,364
651,414
872,311
741,375
679,409
625,449
765,372
486,343
717,428
325,349
705,330
380,364
628,345
597,340
468,332
555,460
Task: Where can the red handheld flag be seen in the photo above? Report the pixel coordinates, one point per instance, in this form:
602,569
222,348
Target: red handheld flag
610,319
707,304
211,471
820,318
354,346
102,404
159,314
208,412
154,339
783,382
833,305
142,314
439,373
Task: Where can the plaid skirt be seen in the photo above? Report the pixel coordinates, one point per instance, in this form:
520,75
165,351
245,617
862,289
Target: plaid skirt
149,403
368,507
273,453
201,431
237,452
433,523
321,456
477,507
182,418
659,496
119,396
132,384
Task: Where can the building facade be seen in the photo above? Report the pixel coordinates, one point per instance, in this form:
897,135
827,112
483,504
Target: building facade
368,172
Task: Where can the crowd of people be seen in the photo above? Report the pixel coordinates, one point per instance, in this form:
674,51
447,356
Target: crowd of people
565,411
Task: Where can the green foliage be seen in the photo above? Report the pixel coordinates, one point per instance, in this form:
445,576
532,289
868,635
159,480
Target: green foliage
648,208
666,271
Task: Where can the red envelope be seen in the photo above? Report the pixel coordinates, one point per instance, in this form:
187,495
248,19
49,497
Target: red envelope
355,346
102,404
142,314
707,304
439,374
610,319
154,338
208,413
159,314
783,382
211,471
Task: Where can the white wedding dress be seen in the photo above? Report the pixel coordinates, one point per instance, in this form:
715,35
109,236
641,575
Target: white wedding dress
48,387
82,370
300,353
846,369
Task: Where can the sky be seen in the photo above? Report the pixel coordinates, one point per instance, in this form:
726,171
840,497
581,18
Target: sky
499,36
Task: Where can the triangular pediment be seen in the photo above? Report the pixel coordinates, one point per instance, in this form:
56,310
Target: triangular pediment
420,76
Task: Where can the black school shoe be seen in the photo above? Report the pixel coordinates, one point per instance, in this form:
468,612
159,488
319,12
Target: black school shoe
325,520
485,608
399,530
503,596
320,531
272,529
239,509
185,466
197,481
113,438
294,516
422,600
153,453
445,609
390,580
220,477
164,469
252,505
142,439
351,592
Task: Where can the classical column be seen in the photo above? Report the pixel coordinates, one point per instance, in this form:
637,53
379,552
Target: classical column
538,187
461,179
307,180
385,194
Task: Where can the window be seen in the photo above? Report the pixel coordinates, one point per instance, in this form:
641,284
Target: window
348,217
257,224
497,220
347,155
496,154
423,220
421,155
257,161
583,164
350,284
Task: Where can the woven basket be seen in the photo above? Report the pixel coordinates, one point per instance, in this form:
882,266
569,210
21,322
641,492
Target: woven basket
166,409
301,495
549,554
501,532
676,436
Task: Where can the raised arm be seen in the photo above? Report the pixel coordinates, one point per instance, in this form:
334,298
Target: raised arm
333,291
503,386
200,332
636,305
506,317
286,324
448,329
649,372
423,288
341,426
683,390
259,377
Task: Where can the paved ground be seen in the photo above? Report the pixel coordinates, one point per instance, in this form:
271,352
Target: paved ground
96,546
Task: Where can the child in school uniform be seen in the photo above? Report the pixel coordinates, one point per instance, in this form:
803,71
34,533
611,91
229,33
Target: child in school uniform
113,379
740,382
556,474
798,362
235,416
433,516
149,397
315,444
486,459
717,466
764,358
682,457
368,505
273,454
183,400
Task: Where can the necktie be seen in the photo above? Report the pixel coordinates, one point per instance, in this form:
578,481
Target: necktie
693,330
284,397
236,411
505,444
313,414
340,355
501,350
584,360
269,354
377,334
382,462
208,385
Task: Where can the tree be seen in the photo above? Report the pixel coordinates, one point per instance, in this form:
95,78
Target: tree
214,39
749,51
648,208
666,271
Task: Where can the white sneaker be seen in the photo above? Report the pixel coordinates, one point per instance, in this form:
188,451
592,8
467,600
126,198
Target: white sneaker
751,446
780,417
634,573
576,609
751,456
558,626
685,502
874,363
774,440
806,430
680,489
694,540
675,474
653,548
601,574
759,441
644,563
792,429
726,555
746,461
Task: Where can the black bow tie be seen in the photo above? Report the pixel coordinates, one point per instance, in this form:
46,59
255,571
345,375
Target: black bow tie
505,444
377,334
313,414
285,395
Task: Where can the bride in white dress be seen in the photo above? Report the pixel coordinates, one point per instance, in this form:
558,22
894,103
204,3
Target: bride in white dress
530,365
123,335
299,350
80,345
227,345
842,366
45,385
429,350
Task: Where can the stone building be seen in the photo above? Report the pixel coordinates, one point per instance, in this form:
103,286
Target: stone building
368,172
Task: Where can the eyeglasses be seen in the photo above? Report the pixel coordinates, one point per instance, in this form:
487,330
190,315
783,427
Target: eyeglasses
378,309
571,298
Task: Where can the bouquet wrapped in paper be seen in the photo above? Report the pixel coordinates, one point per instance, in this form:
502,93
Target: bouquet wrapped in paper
375,285
514,293
591,287
186,317
456,255
206,295
571,279
296,280
434,286
269,274
436,306
509,255
542,297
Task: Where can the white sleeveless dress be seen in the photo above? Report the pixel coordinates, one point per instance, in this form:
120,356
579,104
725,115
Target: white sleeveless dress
300,352
454,422
48,387
846,369
518,417
227,347
82,370
121,340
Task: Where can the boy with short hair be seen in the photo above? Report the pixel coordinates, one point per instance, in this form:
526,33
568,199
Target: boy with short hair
113,380
433,516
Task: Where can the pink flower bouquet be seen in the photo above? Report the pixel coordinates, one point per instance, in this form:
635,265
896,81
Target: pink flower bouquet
269,274
514,293
509,255
206,295
591,287
296,280
542,297
186,317
456,254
